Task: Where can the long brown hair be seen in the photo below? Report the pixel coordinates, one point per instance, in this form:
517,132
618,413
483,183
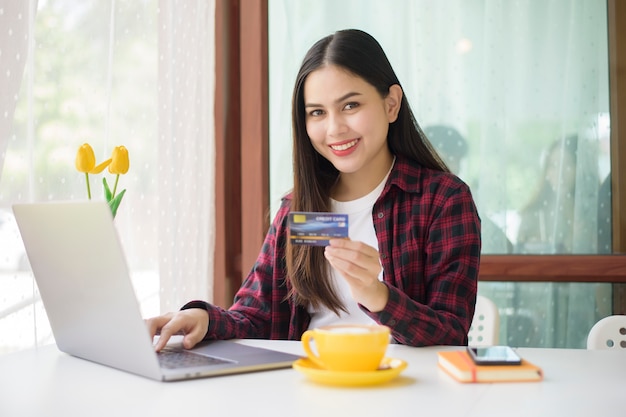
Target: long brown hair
314,176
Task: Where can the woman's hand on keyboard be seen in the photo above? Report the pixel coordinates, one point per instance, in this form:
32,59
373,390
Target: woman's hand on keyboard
193,323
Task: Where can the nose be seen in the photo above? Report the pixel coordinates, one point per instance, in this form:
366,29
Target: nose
336,125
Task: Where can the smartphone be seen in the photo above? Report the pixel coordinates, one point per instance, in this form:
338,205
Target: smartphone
494,355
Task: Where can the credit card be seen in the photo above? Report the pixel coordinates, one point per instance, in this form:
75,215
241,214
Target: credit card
308,228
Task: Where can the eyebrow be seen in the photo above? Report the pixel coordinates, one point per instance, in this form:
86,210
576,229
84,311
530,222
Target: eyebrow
339,100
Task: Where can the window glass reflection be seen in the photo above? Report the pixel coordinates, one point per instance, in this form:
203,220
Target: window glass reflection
561,215
453,148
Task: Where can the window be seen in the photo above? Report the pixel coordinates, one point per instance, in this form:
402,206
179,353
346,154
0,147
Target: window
132,73
523,94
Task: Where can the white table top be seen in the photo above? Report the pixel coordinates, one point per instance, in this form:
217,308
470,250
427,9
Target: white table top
46,382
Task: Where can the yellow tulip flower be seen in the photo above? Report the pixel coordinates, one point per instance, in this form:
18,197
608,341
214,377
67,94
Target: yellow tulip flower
120,162
85,158
86,163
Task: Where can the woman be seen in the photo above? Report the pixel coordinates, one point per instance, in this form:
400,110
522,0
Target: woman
412,259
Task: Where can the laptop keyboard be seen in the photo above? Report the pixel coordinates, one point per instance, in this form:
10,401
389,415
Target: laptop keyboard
177,358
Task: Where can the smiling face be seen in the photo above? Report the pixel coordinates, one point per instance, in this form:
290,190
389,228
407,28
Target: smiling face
347,121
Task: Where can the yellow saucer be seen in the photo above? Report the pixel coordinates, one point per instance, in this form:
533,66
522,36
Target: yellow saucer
391,368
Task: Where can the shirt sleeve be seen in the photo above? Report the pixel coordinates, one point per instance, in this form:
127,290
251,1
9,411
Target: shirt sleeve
434,304
254,312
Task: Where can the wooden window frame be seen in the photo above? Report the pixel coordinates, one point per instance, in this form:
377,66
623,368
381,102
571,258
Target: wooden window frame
242,168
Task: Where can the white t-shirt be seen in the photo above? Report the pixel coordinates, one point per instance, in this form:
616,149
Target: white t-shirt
360,228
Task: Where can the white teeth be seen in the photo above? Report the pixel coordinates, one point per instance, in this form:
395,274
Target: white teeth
344,146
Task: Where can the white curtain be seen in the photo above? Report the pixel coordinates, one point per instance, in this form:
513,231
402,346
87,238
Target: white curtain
133,73
511,78
15,24
186,151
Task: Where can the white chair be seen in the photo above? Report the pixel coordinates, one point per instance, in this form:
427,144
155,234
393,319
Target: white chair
608,333
485,327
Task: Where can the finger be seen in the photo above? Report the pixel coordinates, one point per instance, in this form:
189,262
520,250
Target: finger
356,274
351,249
169,328
162,342
353,261
152,327
154,324
346,268
193,338
197,329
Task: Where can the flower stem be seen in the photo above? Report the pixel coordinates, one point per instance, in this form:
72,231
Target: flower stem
117,177
88,187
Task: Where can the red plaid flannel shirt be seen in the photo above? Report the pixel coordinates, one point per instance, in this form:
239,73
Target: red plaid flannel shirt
428,233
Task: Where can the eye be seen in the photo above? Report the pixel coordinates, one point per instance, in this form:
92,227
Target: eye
316,113
351,106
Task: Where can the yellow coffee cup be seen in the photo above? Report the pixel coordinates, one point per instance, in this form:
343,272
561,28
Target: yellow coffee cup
347,347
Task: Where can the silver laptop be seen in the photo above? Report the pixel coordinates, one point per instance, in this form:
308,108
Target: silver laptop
85,286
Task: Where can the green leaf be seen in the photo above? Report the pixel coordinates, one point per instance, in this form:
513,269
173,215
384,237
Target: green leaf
114,204
107,192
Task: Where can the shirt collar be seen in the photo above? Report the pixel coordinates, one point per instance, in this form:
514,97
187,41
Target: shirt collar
405,174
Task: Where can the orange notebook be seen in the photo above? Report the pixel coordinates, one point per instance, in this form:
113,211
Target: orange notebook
459,365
